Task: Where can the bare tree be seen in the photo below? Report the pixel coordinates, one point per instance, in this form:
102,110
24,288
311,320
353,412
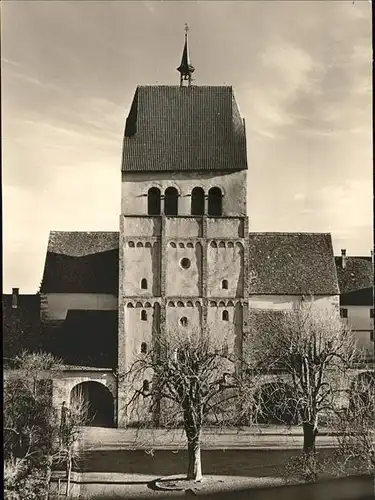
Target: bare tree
30,422
304,355
72,420
187,379
355,426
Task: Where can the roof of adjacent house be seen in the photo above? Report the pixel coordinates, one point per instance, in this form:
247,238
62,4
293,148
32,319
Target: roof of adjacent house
81,262
292,264
280,263
173,128
357,274
93,334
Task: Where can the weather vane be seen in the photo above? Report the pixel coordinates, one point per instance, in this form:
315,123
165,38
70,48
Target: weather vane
186,28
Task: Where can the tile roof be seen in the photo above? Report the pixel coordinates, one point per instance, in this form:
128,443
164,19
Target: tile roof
292,264
172,128
80,243
81,262
93,334
357,274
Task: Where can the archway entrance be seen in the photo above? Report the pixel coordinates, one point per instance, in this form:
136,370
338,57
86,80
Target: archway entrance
96,402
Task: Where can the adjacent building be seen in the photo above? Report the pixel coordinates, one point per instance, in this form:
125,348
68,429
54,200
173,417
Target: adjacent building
356,281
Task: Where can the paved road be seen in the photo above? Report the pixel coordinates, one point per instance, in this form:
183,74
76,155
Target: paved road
95,438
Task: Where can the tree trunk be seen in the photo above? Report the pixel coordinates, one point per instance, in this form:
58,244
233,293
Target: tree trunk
195,466
69,476
309,435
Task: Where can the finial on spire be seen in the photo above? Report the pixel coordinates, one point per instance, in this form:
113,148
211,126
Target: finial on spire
186,69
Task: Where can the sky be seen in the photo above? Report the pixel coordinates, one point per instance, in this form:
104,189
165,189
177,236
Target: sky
301,73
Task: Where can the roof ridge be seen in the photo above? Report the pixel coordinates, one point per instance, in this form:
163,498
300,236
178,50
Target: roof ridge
289,232
188,88
80,231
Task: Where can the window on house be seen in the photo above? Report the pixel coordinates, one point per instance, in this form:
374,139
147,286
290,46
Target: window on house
215,202
372,313
153,201
143,348
144,315
225,315
197,201
224,284
144,284
343,313
171,201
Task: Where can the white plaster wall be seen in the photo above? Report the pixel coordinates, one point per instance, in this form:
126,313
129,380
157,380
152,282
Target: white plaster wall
362,325
141,226
223,331
183,282
138,263
135,186
177,227
137,330
58,304
225,263
175,313
225,228
359,317
285,302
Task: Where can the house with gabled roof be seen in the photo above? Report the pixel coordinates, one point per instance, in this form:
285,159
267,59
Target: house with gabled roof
356,282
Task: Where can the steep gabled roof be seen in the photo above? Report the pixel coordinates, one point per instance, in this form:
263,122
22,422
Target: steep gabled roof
357,274
81,262
292,264
171,128
94,336
82,243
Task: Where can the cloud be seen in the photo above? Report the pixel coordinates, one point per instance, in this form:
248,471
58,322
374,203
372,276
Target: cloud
287,73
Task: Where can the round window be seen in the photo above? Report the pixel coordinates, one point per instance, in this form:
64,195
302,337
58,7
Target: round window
183,321
185,263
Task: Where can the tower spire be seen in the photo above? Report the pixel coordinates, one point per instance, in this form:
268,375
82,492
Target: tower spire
186,69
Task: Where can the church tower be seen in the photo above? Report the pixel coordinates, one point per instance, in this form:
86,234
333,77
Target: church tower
183,223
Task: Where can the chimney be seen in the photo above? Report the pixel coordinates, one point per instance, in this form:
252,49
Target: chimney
15,293
343,258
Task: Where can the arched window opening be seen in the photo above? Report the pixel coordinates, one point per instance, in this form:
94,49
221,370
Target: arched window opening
171,201
144,284
144,315
179,356
224,284
197,201
225,315
215,202
143,348
153,201
146,386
